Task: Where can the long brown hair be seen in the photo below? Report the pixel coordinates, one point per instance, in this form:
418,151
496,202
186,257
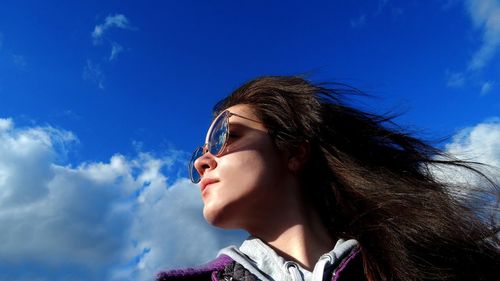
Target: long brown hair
372,181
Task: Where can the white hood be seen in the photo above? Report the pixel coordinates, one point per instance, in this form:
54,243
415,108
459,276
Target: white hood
262,261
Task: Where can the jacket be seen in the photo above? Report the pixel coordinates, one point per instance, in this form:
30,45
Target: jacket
254,260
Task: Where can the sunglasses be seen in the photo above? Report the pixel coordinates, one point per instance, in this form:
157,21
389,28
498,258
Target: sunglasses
215,143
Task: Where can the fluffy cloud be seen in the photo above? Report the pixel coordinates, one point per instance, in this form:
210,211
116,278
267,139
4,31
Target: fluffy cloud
485,15
115,220
480,142
115,21
5,124
171,232
53,215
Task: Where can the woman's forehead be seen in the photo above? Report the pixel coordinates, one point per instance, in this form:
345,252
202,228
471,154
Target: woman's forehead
244,110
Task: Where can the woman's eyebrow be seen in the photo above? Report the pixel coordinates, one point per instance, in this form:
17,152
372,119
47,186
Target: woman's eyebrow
237,126
242,125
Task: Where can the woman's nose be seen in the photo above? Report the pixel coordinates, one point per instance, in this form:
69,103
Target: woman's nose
205,162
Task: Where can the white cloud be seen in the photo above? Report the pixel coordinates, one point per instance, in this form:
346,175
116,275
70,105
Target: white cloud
480,143
6,124
165,217
485,15
114,220
487,87
92,71
115,21
115,50
23,151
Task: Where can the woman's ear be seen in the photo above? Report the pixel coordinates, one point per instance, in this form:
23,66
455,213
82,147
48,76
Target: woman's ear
299,157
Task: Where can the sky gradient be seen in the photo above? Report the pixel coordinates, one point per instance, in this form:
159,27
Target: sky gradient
101,104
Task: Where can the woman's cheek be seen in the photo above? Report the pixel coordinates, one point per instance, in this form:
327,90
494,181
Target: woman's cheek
230,199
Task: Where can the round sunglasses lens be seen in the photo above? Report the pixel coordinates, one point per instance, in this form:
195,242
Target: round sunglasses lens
218,136
193,173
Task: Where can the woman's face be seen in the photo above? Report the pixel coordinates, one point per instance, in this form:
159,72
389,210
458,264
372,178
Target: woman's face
242,186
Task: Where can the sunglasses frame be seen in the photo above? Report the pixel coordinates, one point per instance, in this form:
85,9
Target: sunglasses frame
206,147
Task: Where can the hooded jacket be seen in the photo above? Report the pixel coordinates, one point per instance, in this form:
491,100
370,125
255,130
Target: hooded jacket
255,260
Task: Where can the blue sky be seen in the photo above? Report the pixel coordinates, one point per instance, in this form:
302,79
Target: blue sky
102,102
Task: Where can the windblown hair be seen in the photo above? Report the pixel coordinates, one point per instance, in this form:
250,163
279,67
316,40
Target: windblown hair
372,181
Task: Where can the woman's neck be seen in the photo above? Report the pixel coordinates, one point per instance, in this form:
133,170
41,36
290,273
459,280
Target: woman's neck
298,235
299,245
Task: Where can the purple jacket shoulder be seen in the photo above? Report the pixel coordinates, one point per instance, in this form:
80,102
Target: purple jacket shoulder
202,272
350,269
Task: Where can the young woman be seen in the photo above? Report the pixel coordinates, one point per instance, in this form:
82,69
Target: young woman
329,192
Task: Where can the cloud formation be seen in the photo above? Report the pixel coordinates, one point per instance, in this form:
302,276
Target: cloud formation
111,21
92,71
480,142
115,50
5,124
113,220
118,219
485,15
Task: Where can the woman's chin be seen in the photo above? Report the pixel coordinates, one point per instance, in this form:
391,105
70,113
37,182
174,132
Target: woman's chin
218,218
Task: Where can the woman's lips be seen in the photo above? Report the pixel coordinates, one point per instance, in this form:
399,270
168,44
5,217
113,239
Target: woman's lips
205,182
